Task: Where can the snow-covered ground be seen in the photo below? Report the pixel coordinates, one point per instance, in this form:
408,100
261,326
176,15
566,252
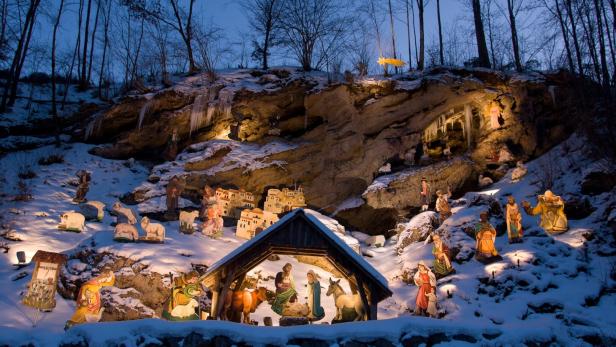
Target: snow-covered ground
563,286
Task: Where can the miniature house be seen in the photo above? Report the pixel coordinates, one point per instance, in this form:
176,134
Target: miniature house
253,221
42,288
279,201
297,233
233,201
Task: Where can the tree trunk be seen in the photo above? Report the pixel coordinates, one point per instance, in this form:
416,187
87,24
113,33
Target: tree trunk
83,80
563,29
420,10
491,37
590,37
54,110
514,36
414,33
408,33
393,33
3,24
24,52
602,52
482,49
610,41
576,42
440,32
98,8
75,56
21,50
105,44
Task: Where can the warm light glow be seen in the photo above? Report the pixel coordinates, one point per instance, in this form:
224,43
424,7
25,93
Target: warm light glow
497,268
391,61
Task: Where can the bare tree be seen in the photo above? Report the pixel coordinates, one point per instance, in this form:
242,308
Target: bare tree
106,22
10,89
408,32
83,77
98,10
576,42
393,32
420,13
602,52
482,49
308,23
176,17
264,19
513,7
54,110
440,32
372,11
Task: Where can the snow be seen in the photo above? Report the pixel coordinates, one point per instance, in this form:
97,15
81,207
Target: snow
567,273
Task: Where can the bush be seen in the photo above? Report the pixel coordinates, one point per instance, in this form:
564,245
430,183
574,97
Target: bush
51,159
26,173
37,78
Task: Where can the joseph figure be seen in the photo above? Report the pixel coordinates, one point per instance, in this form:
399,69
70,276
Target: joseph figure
285,289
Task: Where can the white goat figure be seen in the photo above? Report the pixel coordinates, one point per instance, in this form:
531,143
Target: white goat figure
72,221
484,181
125,232
187,219
124,214
519,171
153,231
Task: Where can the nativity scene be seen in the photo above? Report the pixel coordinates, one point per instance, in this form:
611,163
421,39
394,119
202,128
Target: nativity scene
198,173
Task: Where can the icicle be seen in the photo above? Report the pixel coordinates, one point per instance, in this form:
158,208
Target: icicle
552,91
225,101
142,113
92,126
196,113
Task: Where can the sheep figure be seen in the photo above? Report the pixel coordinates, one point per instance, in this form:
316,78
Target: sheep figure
72,221
484,181
154,232
431,305
125,232
93,210
183,311
123,214
187,219
519,171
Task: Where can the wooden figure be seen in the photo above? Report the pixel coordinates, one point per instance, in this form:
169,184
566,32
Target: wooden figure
42,288
513,218
154,232
93,210
89,299
426,281
187,220
349,307
83,186
551,208
184,298
72,221
486,236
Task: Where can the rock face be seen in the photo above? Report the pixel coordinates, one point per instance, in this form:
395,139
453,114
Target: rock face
340,135
138,293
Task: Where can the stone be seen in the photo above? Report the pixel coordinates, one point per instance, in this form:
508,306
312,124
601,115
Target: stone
375,241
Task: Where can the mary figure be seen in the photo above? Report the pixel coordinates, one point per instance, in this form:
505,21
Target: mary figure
315,312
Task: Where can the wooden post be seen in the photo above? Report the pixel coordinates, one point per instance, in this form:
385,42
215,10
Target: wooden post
223,293
373,304
215,296
364,298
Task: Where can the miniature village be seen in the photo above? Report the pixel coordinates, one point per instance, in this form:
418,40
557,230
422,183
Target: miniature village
406,201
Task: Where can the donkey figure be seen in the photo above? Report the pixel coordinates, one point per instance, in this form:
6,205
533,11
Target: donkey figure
345,301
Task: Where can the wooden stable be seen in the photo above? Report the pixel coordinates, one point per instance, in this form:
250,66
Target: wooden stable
298,234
